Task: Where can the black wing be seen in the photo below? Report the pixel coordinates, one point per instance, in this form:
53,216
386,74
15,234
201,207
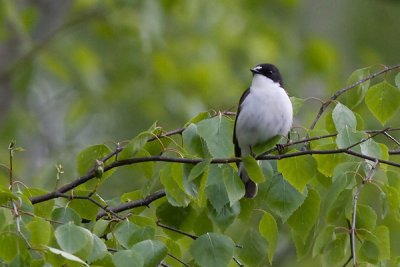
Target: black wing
235,142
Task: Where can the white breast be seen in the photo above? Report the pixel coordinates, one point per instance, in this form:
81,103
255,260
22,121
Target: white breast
265,113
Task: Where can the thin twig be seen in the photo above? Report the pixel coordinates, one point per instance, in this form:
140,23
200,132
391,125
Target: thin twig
177,259
355,200
194,237
133,204
345,89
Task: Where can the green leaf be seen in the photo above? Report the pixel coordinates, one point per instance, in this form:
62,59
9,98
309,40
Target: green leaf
199,169
344,176
253,169
298,171
397,80
40,231
85,208
127,258
123,233
305,217
65,215
355,96
233,185
195,182
212,250
343,117
74,239
44,208
372,149
341,208
365,217
280,197
199,117
203,223
11,245
152,252
297,103
164,211
67,255
327,163
334,252
86,159
269,230
193,143
226,216
171,177
254,248
347,137
324,237
6,195
369,252
383,100
383,240
217,132
6,217
391,201
215,188
99,250
138,143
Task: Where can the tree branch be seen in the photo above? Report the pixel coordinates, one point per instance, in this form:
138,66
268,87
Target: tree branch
325,105
159,158
133,204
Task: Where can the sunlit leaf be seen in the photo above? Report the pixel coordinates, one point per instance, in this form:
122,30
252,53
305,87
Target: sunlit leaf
269,230
44,208
234,186
298,171
40,231
383,100
327,163
253,169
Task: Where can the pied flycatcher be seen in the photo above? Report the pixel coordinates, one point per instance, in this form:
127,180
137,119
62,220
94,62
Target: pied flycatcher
264,111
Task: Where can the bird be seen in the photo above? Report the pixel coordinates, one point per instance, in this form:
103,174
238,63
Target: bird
264,112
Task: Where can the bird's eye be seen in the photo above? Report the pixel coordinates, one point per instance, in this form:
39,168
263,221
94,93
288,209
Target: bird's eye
270,71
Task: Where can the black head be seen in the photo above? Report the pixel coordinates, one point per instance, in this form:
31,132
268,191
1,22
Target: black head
269,71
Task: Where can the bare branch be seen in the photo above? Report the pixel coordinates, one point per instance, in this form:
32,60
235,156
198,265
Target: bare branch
133,204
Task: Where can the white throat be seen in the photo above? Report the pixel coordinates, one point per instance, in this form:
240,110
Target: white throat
262,81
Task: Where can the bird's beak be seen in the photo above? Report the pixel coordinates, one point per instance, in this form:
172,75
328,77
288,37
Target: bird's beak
255,71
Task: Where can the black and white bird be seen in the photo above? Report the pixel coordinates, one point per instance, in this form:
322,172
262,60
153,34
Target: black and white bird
264,111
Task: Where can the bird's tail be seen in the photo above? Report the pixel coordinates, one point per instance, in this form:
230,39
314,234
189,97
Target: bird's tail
250,186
